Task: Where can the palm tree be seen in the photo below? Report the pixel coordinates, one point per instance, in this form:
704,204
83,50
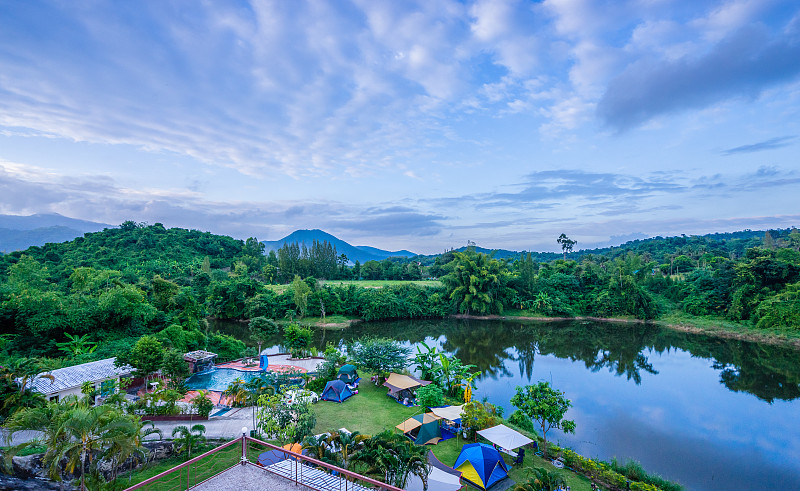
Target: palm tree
319,448
347,443
45,419
237,392
83,432
393,458
188,437
23,371
77,432
129,433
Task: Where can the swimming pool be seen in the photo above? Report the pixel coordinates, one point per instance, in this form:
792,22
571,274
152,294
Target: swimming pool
218,379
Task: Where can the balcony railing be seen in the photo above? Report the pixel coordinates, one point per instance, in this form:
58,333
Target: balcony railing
294,467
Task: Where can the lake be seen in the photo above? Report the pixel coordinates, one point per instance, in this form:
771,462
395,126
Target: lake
710,413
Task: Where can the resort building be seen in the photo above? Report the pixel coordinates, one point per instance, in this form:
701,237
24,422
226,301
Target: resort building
70,380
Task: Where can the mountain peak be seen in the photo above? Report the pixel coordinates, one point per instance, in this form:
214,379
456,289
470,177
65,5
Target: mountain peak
354,253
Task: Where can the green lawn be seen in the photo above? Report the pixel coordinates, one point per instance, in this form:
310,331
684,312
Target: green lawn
372,411
369,412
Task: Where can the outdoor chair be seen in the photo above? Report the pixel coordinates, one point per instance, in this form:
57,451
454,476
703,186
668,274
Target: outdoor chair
520,456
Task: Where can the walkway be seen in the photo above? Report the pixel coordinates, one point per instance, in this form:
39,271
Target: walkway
227,426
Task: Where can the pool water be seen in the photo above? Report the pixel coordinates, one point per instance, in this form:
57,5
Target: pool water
218,379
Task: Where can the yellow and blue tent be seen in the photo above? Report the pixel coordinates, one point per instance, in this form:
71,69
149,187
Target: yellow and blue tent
481,465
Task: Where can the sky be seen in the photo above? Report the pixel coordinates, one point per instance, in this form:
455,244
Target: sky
403,124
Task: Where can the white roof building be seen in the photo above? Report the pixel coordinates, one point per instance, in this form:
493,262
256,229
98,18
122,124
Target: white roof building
69,380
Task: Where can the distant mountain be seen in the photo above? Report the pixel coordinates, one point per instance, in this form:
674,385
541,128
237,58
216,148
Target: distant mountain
353,253
43,220
20,232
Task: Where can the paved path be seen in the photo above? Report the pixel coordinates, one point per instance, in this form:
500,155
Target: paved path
227,426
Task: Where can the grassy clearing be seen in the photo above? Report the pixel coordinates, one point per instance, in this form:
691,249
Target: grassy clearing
371,411
380,283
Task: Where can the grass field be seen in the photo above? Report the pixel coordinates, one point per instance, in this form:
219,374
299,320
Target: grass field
371,411
380,283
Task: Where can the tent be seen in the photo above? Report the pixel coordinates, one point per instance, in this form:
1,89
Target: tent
401,386
481,465
348,374
450,413
440,477
336,391
422,429
503,436
451,420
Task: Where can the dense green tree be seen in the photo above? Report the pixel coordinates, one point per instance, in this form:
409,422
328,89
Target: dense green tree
297,339
379,355
476,283
546,406
146,356
262,329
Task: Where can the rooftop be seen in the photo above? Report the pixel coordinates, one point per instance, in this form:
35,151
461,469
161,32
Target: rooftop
248,478
69,377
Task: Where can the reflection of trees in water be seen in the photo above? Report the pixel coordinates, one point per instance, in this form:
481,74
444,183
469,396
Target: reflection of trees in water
768,372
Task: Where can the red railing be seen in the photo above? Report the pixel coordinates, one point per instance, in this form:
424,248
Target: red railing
297,468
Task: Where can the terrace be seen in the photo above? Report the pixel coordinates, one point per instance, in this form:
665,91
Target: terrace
247,463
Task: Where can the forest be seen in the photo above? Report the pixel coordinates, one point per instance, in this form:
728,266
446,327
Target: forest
109,288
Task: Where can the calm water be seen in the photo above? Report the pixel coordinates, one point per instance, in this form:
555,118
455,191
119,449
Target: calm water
712,414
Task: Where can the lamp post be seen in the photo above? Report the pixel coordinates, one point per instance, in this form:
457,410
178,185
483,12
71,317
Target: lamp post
244,445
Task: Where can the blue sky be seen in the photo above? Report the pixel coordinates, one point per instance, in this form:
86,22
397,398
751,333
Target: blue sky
416,125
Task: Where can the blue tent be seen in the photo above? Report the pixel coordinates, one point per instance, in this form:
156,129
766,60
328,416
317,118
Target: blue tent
336,391
481,465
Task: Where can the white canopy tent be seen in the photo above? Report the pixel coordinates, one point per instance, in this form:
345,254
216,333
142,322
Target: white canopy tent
450,413
438,480
503,436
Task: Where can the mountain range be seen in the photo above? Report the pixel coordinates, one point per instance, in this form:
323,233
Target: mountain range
353,253
18,232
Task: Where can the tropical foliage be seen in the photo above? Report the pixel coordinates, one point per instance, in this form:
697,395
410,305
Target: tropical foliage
546,406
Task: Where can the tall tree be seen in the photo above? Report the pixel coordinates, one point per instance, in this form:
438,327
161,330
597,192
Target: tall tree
546,406
566,244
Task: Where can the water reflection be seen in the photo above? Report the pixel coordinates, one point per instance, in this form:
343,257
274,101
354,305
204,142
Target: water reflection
710,413
765,371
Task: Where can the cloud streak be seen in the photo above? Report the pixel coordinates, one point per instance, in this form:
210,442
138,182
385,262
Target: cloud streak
770,144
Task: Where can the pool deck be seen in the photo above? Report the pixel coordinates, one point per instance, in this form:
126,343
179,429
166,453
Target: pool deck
277,363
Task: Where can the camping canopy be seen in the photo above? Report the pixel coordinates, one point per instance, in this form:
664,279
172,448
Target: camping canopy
336,391
481,465
400,385
505,437
400,382
450,413
347,374
422,429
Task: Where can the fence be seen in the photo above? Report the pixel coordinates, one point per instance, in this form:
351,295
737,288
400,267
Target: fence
295,467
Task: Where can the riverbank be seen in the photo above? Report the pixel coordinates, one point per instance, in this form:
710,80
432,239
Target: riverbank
709,327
